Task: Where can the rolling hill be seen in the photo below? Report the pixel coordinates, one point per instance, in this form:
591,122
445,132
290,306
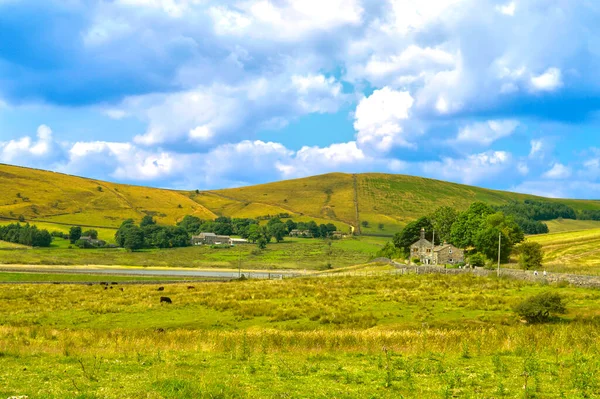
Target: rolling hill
385,202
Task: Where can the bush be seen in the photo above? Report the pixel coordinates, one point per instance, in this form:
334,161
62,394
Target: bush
416,261
477,259
541,308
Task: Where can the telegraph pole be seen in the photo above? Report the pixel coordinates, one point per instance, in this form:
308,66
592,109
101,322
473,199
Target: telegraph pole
499,242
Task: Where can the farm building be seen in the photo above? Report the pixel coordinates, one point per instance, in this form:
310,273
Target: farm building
300,233
210,239
430,254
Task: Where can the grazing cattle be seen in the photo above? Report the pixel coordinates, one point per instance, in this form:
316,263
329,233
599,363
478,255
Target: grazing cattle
105,287
121,289
165,299
161,288
111,288
191,287
114,283
160,330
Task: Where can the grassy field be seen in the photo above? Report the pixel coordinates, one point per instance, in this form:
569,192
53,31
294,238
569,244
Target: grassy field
565,225
294,253
408,336
87,278
571,252
386,202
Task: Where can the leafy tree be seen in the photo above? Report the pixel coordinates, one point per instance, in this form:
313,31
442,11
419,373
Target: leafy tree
291,225
331,228
278,231
254,233
323,231
266,234
540,308
530,255
191,224
468,224
412,232
147,221
380,226
133,238
313,229
364,223
261,243
120,234
74,234
389,251
93,234
486,242
442,220
21,218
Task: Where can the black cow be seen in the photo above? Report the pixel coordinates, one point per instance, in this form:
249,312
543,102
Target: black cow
161,288
165,299
191,287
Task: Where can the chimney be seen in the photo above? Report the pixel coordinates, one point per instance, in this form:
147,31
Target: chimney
422,233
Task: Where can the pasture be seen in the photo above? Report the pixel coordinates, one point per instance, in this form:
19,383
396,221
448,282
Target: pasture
293,253
426,336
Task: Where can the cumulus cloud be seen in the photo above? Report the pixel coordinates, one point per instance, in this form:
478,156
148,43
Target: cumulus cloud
485,133
379,119
472,169
26,151
217,113
547,81
558,171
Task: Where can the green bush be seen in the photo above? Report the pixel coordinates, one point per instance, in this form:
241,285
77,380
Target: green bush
541,308
477,259
416,261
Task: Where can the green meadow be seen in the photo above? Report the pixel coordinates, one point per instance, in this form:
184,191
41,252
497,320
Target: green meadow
426,336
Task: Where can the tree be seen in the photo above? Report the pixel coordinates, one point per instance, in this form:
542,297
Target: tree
313,229
21,218
323,231
380,226
266,233
120,234
261,243
540,308
147,221
93,234
278,231
468,224
477,259
74,234
291,225
530,255
254,233
364,223
442,220
191,224
412,232
133,238
486,242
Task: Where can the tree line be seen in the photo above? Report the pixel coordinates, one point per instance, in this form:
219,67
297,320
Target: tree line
25,235
477,229
148,234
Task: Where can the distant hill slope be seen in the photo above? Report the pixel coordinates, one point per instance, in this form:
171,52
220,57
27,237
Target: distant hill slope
388,201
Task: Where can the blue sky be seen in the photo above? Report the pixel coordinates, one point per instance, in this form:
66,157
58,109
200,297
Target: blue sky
208,94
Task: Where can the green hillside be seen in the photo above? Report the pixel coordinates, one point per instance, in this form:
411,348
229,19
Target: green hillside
384,202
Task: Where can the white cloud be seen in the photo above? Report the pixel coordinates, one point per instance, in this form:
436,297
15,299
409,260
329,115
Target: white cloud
472,169
379,120
548,81
522,168
25,150
507,9
537,147
287,20
485,133
558,171
221,112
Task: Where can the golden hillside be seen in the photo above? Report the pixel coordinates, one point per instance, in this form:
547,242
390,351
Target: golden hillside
345,199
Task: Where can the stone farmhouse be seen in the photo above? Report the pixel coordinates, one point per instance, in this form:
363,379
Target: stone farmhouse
430,254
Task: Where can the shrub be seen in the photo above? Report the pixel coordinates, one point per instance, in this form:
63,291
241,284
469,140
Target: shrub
541,308
477,259
530,255
416,260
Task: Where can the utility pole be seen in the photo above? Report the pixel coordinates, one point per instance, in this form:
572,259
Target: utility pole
499,242
433,247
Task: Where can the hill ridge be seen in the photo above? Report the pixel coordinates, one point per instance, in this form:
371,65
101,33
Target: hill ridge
368,203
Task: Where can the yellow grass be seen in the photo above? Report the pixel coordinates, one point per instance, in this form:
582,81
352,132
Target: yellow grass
574,251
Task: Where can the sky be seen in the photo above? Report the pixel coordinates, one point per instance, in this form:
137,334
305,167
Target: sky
203,94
